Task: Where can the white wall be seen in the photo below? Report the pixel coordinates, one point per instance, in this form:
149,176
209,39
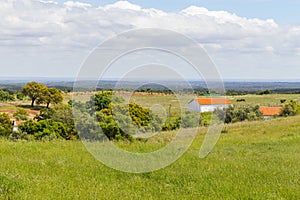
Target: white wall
211,108
194,106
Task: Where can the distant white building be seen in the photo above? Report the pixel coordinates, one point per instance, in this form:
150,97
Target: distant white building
15,126
208,104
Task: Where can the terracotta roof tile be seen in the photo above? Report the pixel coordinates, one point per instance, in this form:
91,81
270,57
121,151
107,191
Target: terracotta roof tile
270,111
213,101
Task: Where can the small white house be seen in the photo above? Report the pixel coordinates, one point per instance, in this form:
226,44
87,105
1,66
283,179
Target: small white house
15,126
208,104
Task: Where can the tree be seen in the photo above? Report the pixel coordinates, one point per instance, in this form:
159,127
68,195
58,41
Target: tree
100,101
50,95
264,92
34,90
5,96
19,95
5,124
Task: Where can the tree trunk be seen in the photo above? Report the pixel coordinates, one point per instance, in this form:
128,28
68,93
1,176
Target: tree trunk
48,105
32,102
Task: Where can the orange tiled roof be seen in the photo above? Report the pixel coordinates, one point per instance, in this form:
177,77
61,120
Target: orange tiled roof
212,101
270,111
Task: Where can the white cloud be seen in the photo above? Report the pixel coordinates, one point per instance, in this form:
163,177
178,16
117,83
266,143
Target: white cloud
80,24
72,4
123,5
74,26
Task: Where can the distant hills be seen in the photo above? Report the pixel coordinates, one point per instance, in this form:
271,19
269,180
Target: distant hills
16,83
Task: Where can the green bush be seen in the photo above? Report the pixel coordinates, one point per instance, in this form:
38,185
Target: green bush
190,119
5,125
18,135
120,120
172,124
5,96
290,109
100,101
44,128
20,96
20,114
60,113
234,114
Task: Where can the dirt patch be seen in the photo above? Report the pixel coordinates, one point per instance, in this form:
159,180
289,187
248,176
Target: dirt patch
11,110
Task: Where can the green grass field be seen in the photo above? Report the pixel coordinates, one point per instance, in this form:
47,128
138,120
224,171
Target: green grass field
253,160
264,100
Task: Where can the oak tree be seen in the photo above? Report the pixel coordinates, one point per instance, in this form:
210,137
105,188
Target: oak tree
33,90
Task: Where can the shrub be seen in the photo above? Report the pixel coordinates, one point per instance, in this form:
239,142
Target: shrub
20,96
45,113
290,109
5,125
190,120
18,135
5,96
44,128
172,124
60,113
233,114
20,114
282,100
100,101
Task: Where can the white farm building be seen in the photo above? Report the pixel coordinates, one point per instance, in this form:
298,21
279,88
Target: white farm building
208,104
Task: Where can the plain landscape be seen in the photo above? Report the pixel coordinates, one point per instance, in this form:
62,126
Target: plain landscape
256,159
139,99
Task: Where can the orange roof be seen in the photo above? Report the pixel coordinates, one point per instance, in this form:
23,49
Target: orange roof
212,101
270,111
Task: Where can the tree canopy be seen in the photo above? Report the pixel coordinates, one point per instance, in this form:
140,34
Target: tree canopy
50,95
42,94
34,90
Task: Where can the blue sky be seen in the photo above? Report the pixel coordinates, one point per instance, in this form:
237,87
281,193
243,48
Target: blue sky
282,11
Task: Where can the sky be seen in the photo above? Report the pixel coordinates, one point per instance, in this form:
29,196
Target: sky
281,11
257,39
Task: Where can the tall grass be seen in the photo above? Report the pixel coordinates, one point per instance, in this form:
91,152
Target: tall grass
252,160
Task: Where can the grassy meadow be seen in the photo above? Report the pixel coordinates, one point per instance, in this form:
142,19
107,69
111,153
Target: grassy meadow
252,160
264,100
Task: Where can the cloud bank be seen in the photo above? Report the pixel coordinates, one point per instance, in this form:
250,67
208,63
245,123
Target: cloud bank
62,34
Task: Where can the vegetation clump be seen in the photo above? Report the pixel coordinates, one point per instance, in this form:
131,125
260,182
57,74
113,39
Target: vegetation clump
290,109
5,125
21,114
6,96
235,114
